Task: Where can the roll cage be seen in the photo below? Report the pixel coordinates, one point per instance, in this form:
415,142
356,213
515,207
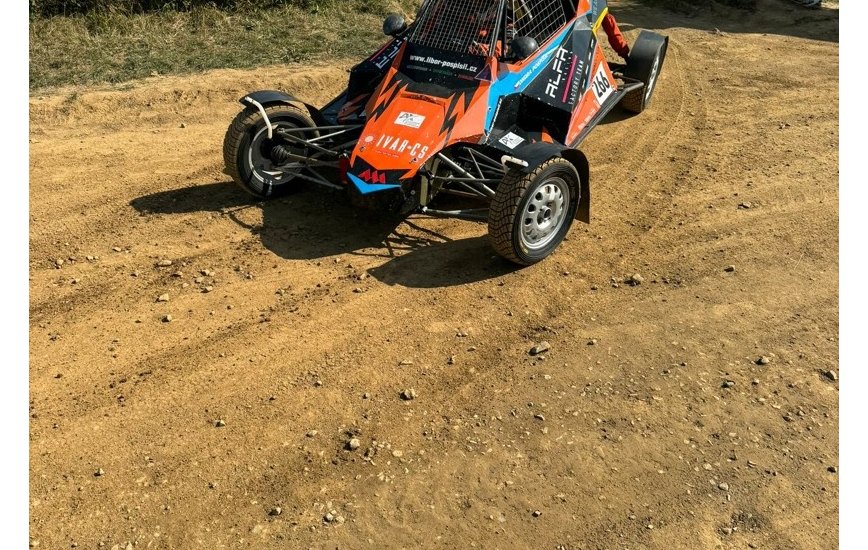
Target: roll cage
483,27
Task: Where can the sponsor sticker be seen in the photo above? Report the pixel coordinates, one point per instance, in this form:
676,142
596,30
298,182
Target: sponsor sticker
390,144
511,140
411,120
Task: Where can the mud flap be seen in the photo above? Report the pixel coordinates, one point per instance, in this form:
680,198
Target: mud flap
580,161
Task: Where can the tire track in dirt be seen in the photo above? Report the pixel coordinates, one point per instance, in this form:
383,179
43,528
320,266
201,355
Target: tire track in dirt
630,403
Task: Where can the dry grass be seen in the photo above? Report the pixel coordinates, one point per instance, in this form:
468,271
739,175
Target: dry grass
113,47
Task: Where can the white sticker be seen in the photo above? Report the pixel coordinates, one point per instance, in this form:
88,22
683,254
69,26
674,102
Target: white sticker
601,85
411,120
511,140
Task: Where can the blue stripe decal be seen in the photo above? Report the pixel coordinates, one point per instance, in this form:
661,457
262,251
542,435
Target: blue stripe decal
366,188
513,83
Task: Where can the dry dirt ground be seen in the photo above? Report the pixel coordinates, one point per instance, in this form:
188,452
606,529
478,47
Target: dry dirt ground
296,325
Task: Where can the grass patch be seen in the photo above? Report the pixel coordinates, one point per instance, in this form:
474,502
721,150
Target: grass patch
113,47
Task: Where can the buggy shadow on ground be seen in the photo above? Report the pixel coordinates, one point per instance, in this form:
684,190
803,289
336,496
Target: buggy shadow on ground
313,224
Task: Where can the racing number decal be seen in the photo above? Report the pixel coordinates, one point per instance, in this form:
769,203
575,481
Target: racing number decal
601,85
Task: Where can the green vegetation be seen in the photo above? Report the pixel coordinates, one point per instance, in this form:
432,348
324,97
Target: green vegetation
110,41
49,8
110,45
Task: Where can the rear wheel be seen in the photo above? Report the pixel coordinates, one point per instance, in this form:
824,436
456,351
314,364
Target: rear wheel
257,163
644,64
531,214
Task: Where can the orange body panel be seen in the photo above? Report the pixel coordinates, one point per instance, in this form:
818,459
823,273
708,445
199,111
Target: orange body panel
405,128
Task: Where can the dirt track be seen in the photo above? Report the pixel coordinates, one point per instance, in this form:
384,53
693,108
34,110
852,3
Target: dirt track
621,435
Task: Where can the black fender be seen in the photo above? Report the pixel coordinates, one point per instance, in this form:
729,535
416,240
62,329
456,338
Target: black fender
274,97
580,161
528,157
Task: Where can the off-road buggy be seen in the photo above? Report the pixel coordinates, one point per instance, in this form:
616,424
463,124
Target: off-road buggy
483,100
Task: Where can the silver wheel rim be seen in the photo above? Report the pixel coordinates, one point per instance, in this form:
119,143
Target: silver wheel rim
649,89
280,175
545,213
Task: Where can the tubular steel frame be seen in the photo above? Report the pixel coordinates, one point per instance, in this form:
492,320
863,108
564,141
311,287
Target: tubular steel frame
475,173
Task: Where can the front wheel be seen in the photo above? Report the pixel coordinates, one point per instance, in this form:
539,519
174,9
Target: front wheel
531,214
258,164
644,64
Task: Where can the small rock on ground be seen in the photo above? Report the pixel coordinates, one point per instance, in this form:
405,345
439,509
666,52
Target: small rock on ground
831,375
635,279
540,348
408,394
353,444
